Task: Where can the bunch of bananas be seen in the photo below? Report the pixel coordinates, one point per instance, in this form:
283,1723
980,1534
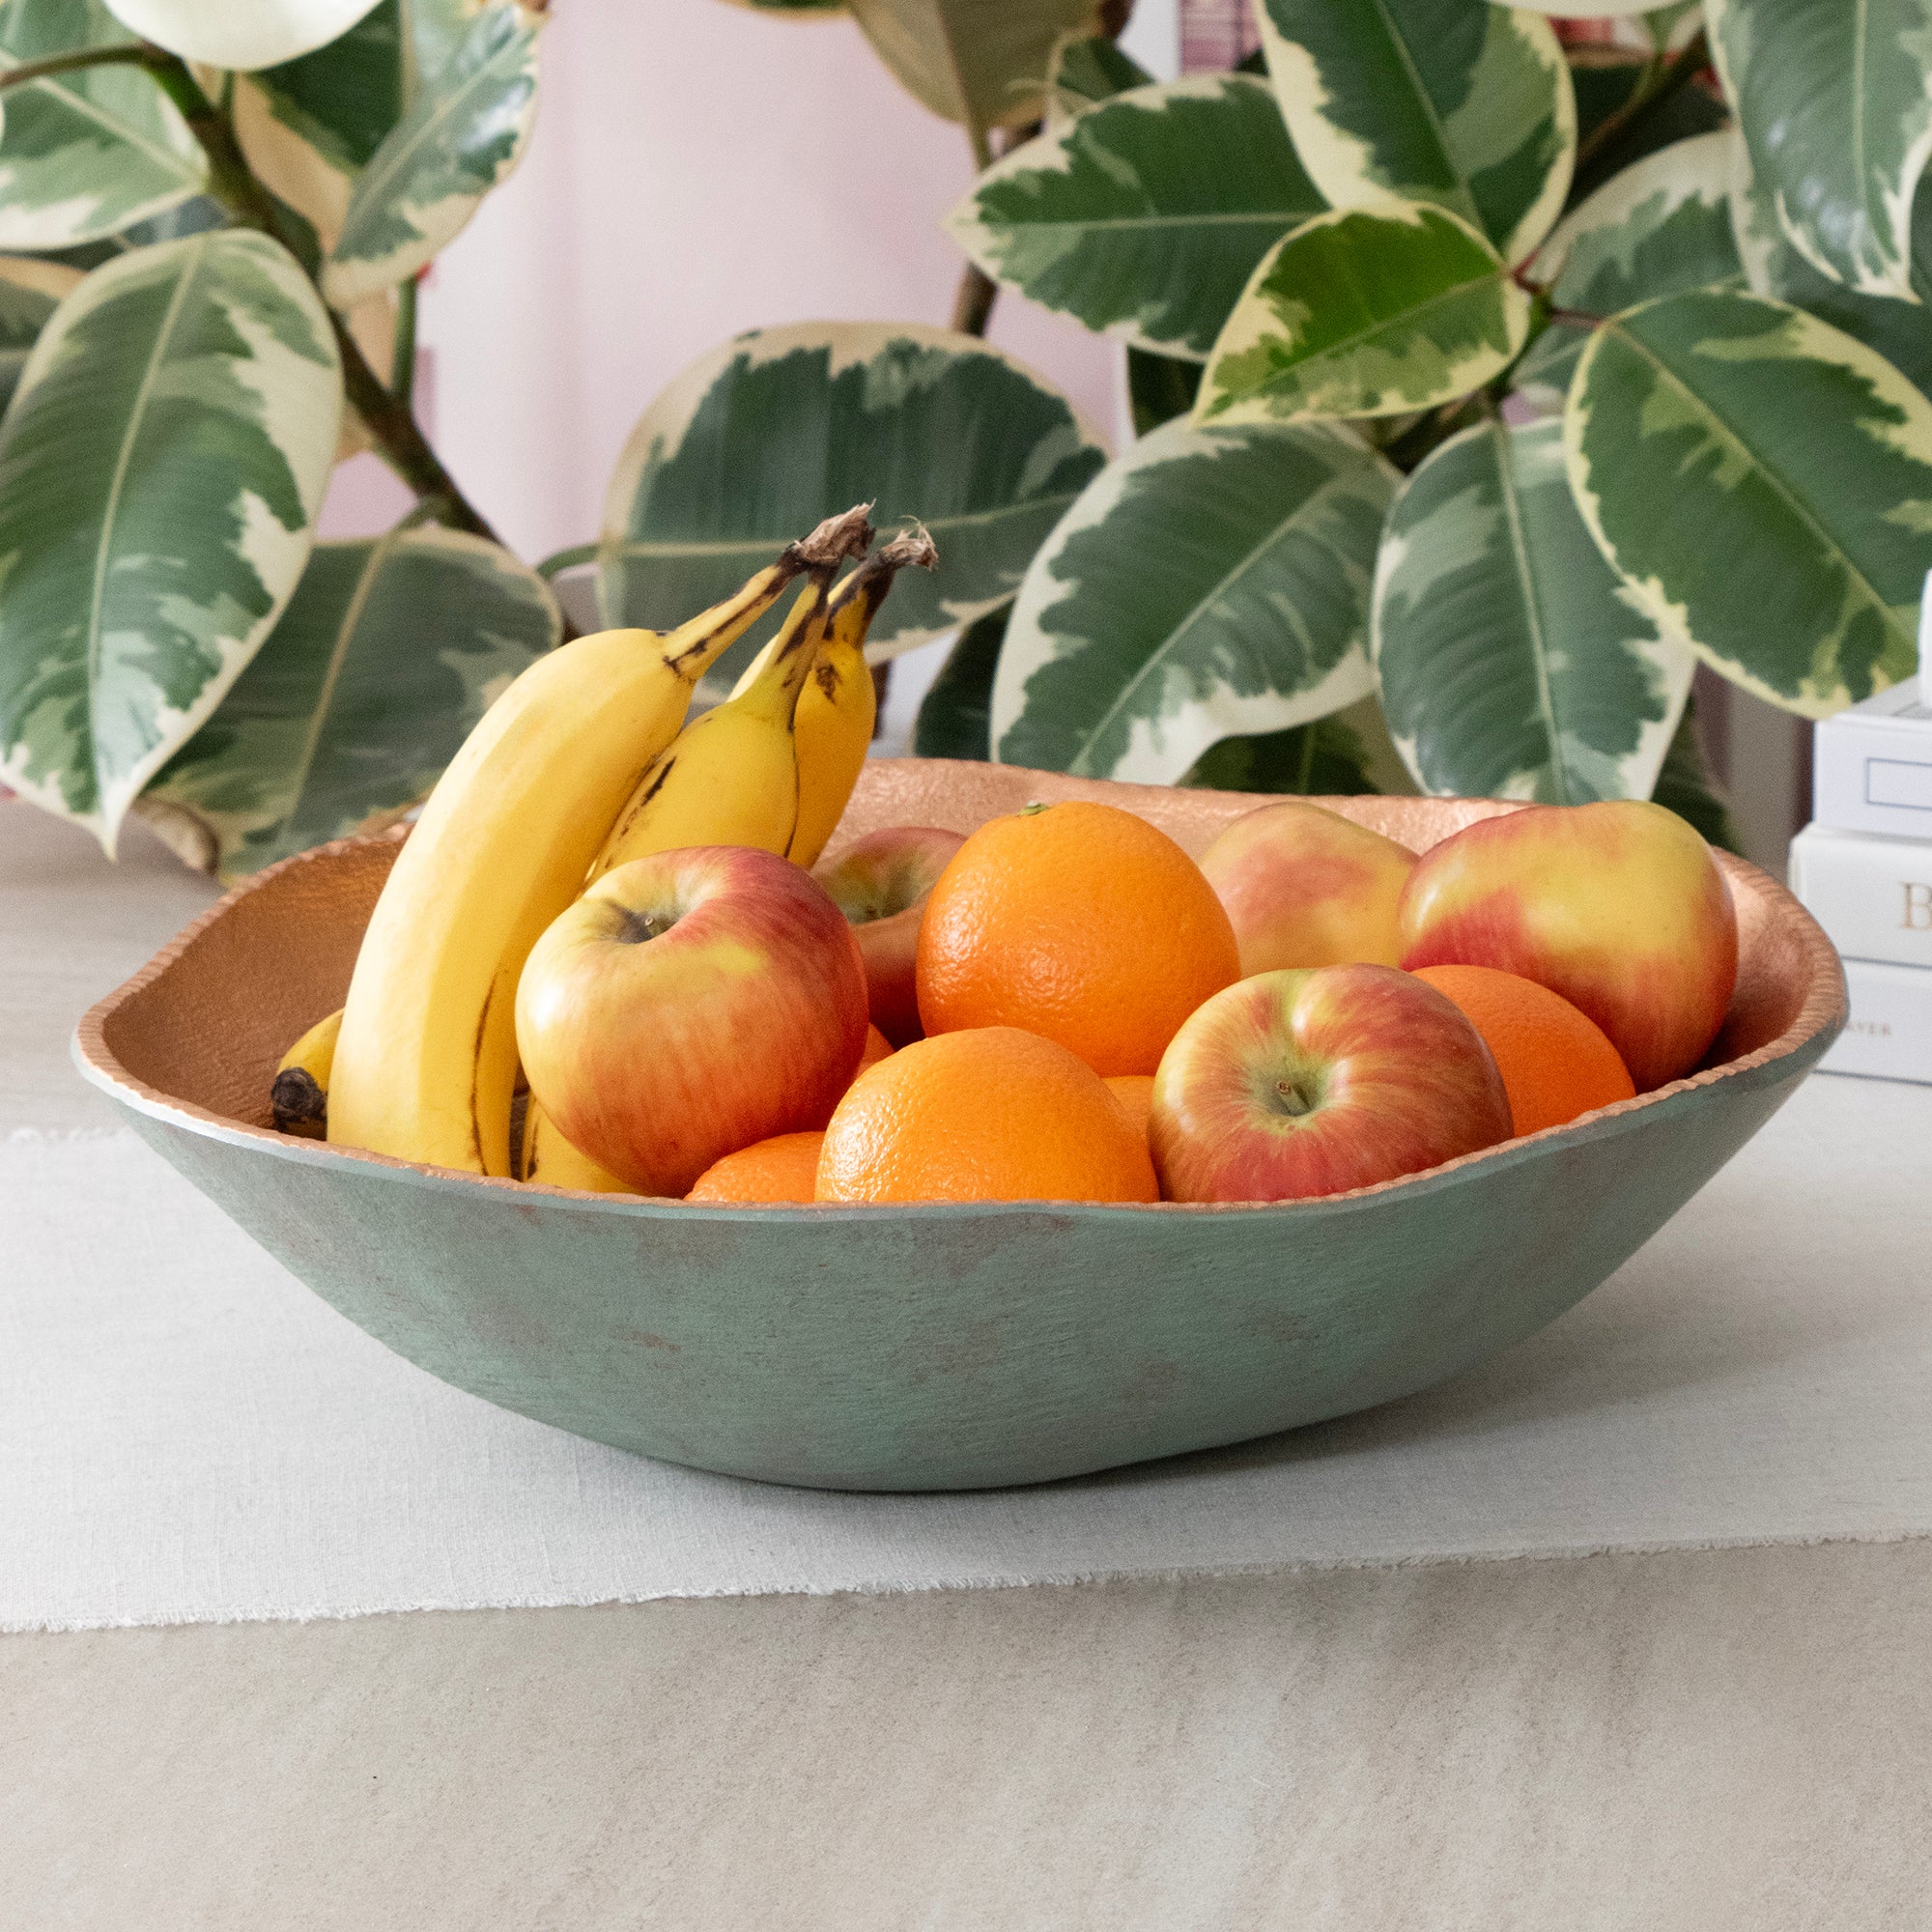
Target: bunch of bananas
585,763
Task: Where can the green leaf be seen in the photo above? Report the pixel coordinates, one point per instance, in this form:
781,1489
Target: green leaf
982,62
1467,107
955,715
769,432
239,34
1332,757
1763,482
86,154
1900,331
1835,99
1160,388
1086,68
160,471
1659,228
1366,314
390,651
1210,582
309,127
1605,88
818,10
29,293
1687,787
1512,661
460,138
1146,214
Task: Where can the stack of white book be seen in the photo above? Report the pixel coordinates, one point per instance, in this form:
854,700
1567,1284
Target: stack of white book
1863,867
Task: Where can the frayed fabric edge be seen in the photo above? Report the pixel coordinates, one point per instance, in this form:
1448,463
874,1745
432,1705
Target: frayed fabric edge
965,1584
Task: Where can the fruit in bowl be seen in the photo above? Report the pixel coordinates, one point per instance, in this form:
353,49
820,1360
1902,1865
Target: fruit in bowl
1306,887
1556,1063
938,1346
1295,1083
1081,922
881,884
983,1114
1618,907
688,1004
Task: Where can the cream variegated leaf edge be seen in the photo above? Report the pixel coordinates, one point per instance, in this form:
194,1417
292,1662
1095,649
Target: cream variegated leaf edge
1142,259
161,469
1602,255
1337,141
1838,173
941,426
305,151
1208,584
1838,524
389,652
240,34
462,136
92,151
981,63
1512,660
1462,288
30,291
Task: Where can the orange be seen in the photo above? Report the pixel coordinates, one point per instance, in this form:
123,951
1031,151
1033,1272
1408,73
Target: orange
1077,921
1135,1093
783,1167
983,1114
1556,1061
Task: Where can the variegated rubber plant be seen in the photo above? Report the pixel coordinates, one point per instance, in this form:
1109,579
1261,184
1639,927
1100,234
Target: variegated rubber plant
1481,386
1484,385
213,215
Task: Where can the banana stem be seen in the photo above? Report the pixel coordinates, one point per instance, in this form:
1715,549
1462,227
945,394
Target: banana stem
694,646
856,602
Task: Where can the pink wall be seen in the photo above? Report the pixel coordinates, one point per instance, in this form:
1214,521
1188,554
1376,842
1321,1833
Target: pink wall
697,169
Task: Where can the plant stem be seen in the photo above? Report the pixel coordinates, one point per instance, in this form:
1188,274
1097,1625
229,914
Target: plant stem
973,303
136,53
1660,81
403,354
386,416
974,299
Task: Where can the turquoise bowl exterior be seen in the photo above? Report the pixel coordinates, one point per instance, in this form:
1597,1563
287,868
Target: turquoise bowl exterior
931,1347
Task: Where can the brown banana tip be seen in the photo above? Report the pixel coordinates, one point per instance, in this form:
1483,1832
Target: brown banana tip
847,534
873,577
298,1103
913,547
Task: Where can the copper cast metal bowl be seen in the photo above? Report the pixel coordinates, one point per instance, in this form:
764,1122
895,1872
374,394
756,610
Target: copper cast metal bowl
935,1347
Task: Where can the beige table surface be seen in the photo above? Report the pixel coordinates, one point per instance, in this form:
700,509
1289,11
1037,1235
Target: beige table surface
1733,1738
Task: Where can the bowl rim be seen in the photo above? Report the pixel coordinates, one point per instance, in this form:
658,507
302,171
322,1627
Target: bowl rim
1823,1010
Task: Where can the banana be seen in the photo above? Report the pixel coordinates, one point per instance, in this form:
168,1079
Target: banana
426,1061
838,708
548,1157
299,1098
731,776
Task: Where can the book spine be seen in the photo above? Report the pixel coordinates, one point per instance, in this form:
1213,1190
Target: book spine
1873,897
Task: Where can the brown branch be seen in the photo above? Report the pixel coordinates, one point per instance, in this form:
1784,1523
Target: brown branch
398,438
1676,75
973,303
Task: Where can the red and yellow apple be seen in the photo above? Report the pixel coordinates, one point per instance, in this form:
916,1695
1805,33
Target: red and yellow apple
1305,887
1617,906
688,1004
1293,1083
881,884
